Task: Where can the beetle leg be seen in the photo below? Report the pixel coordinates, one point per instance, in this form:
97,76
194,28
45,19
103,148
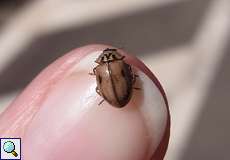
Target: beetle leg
94,72
101,102
130,68
122,57
135,78
133,75
98,91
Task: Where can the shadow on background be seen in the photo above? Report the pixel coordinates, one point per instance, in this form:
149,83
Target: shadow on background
210,137
8,8
141,32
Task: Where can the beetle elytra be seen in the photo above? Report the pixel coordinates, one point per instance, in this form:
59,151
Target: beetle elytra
115,78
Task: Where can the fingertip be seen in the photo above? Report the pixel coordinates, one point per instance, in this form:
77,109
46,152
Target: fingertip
62,93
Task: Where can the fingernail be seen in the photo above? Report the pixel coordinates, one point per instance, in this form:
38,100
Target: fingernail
71,125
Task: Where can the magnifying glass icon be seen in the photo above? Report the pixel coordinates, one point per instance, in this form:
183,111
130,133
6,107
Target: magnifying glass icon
9,147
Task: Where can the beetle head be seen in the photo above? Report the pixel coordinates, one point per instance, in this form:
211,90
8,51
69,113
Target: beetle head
109,55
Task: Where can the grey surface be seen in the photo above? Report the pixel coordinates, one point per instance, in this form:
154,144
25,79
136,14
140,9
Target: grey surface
140,33
210,139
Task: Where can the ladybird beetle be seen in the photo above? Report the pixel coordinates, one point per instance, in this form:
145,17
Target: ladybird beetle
115,78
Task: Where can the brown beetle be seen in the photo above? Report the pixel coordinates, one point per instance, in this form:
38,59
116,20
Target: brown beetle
114,77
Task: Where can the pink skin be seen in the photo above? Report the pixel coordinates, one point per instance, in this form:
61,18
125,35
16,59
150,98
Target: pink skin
42,124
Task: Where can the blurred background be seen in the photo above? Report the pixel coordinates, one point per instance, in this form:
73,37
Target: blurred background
186,43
